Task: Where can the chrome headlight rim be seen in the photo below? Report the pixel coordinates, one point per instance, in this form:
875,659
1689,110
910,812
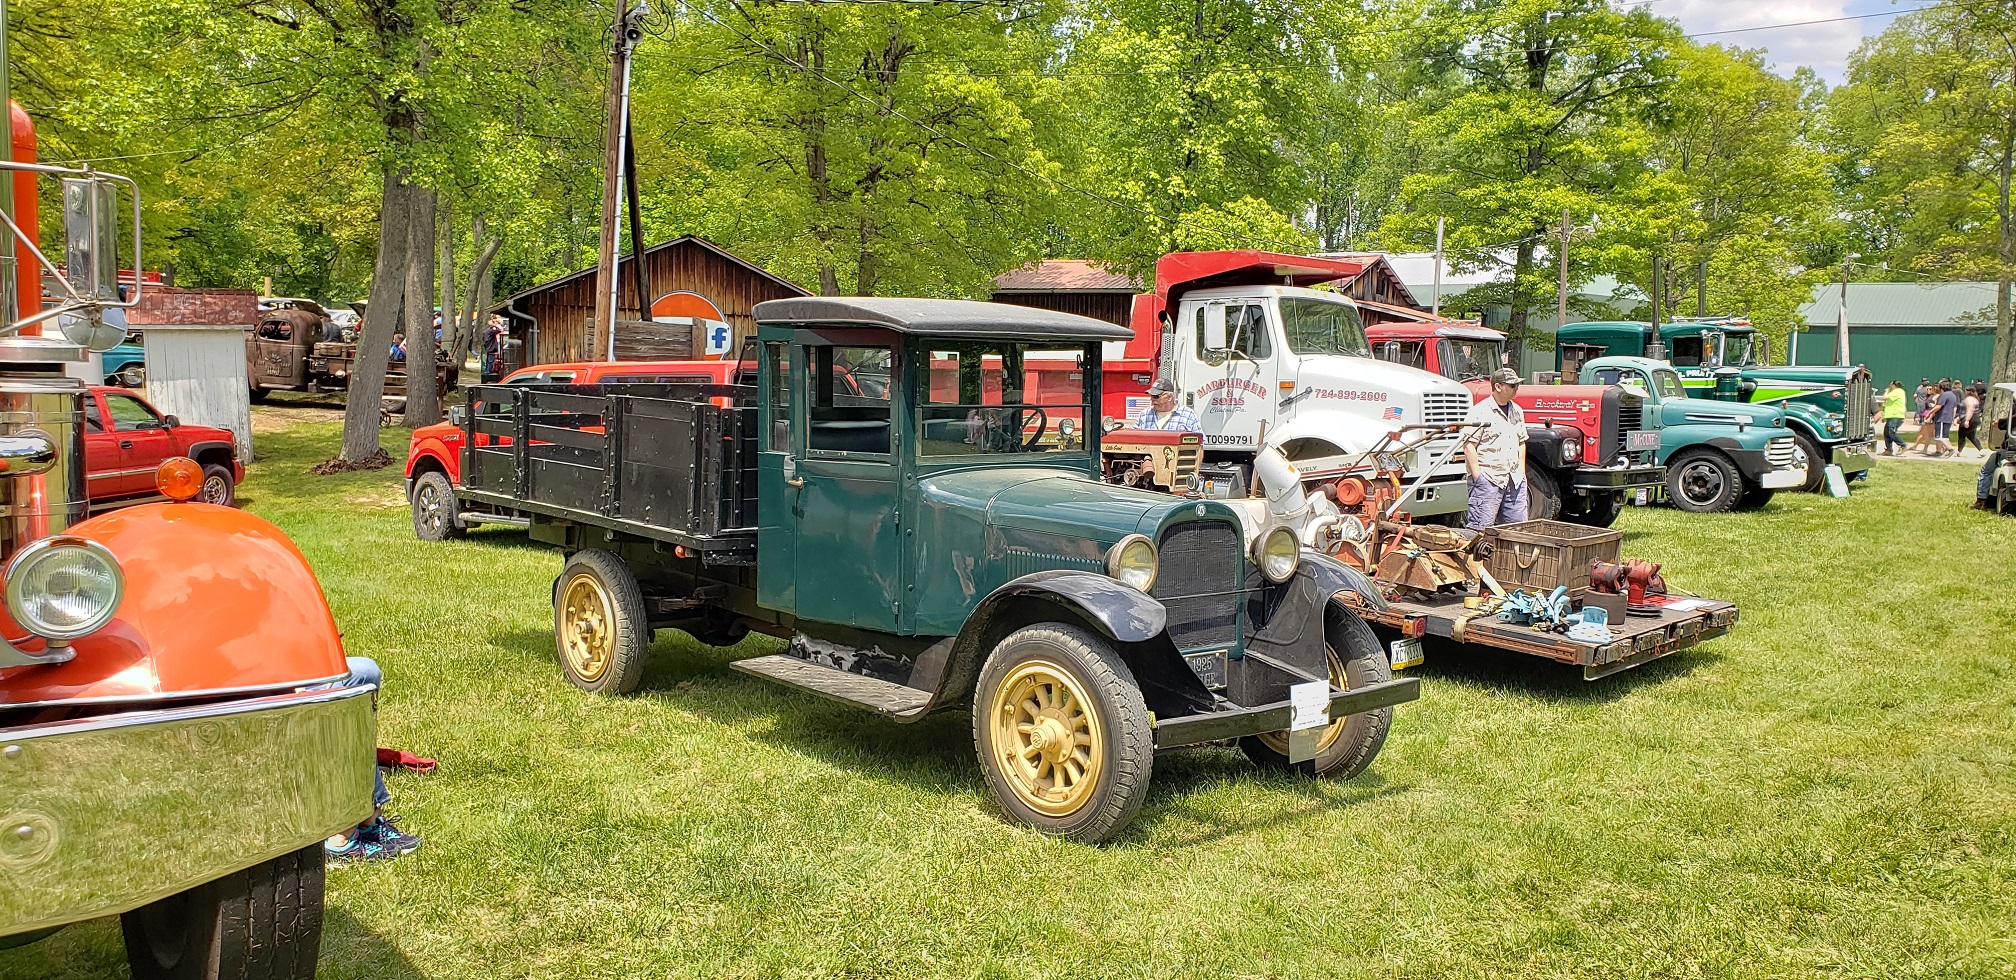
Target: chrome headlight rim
1263,557
1119,549
18,567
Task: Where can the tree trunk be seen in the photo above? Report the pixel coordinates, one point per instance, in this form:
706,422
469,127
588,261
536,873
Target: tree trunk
423,398
381,316
477,317
1515,328
2002,363
451,315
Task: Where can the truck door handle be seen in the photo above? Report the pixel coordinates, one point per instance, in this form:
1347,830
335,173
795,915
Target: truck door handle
125,443
794,481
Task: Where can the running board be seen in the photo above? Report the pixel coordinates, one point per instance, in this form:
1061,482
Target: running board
882,697
467,519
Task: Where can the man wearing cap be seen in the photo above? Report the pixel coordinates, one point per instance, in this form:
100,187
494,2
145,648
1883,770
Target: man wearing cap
1164,413
1496,456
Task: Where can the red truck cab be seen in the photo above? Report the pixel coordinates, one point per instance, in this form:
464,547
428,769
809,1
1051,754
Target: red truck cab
126,439
1587,449
434,457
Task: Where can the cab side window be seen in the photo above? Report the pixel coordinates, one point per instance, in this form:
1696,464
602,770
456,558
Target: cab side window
848,410
777,438
1245,330
1686,352
92,422
1611,376
129,414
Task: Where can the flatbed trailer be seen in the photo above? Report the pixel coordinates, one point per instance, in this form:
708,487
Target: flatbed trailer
1682,622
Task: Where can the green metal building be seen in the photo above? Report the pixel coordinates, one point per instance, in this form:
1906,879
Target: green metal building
1904,331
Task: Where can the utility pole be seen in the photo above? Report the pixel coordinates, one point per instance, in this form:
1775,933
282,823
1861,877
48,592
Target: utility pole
1437,308
1561,297
1841,322
612,181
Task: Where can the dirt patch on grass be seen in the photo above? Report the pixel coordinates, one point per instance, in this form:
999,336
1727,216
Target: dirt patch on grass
284,416
376,461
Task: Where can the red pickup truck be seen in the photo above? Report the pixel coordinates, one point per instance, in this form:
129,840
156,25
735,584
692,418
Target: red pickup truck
126,439
434,460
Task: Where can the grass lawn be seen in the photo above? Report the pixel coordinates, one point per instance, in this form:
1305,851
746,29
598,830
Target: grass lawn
1830,790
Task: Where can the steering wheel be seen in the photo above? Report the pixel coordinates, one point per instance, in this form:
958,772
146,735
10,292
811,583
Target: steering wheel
1043,422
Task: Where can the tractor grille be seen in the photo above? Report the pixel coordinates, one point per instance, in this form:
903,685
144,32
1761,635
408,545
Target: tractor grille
1630,416
1440,408
1780,452
1857,423
1201,583
1187,458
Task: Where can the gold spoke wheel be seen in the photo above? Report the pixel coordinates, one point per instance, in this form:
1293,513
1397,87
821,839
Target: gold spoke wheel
587,634
1278,741
1047,735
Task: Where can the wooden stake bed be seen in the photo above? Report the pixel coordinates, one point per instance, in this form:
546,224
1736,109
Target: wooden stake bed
1638,640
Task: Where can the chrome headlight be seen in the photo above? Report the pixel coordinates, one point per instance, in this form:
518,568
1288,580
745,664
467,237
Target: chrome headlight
63,587
1134,562
1277,553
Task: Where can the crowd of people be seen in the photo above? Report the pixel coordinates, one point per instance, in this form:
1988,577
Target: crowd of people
1947,411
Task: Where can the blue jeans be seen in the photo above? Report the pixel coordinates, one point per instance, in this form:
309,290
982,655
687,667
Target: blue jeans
1890,434
1492,505
1987,473
364,670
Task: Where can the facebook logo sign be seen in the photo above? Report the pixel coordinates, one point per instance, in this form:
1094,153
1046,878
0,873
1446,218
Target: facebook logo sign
717,339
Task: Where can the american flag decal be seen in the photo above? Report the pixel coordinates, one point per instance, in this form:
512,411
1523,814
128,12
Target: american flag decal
1390,415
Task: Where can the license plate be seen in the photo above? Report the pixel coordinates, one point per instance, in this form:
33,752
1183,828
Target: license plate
1406,652
1637,441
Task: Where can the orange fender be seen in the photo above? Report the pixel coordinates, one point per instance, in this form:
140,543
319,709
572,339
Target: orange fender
216,601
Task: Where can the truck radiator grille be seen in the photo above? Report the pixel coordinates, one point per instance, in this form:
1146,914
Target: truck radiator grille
1857,423
1201,583
1780,452
1441,408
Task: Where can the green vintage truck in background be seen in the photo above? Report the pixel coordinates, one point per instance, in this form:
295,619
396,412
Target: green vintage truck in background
1827,409
911,497
1718,455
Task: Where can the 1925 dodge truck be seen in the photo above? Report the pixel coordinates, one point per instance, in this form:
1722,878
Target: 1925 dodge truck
892,499
177,735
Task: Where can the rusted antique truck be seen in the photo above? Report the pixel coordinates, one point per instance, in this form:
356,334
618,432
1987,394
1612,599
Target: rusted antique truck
294,348
889,499
178,733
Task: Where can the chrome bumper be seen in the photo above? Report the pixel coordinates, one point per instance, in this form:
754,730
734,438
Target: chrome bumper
1854,457
1782,479
102,815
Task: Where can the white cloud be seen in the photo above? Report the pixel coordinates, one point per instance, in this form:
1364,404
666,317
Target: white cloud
1822,47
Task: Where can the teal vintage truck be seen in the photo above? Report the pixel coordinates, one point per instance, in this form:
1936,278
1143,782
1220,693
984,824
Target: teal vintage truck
1718,455
911,497
1827,409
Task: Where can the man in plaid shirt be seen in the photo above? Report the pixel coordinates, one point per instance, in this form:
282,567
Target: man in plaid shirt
1164,413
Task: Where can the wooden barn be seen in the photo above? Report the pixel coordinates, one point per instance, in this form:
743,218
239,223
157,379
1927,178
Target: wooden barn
1078,286
703,298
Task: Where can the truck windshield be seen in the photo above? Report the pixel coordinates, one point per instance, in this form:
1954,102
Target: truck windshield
1321,326
1000,397
1464,359
1737,350
1668,383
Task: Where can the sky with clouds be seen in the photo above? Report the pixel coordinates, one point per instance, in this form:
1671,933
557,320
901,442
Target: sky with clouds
1822,47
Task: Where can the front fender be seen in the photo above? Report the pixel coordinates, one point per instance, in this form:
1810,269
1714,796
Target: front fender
1351,434
1333,576
1120,612
216,601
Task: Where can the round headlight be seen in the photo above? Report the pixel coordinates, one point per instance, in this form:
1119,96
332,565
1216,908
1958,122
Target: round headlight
1133,561
1276,552
1066,426
62,588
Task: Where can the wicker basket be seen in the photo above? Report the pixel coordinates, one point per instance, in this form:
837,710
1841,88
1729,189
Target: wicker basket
1544,554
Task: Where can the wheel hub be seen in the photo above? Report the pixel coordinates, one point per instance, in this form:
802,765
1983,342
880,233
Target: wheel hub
585,637
1047,738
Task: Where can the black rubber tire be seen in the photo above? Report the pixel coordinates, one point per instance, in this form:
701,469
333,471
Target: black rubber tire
131,376
1599,510
258,394
1128,760
434,508
629,626
262,923
1543,494
218,486
1816,464
1361,658
1717,484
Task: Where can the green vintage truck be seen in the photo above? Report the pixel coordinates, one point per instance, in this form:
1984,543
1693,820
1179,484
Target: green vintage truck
1718,455
911,497
1827,409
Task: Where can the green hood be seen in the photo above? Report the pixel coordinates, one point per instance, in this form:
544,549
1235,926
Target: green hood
1051,501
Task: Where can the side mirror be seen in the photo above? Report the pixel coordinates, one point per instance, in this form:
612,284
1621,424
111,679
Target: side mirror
91,262
458,415
1214,327
170,422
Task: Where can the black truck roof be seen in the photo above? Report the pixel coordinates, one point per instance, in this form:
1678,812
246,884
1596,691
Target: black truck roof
954,317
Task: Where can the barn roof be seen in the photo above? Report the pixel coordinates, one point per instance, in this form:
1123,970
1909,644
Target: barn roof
1967,305
1072,275
693,240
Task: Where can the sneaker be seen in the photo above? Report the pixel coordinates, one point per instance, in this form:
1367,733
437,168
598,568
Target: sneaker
356,849
382,833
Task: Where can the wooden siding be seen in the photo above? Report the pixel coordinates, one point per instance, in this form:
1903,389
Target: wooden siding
197,374
564,310
1110,307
